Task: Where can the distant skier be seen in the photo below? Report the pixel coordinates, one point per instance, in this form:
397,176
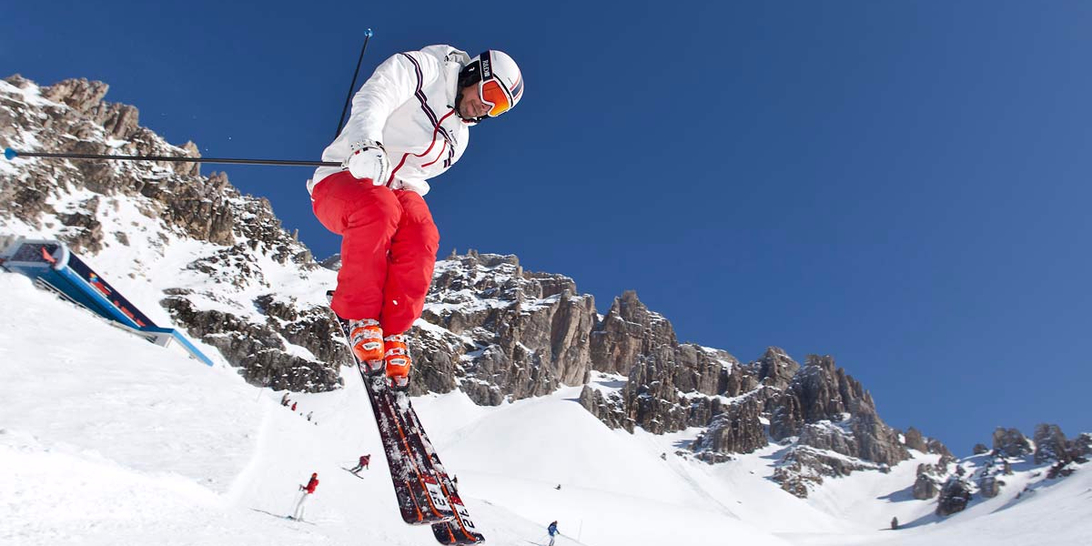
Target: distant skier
284,399
308,490
552,529
309,416
410,122
363,464
894,524
293,406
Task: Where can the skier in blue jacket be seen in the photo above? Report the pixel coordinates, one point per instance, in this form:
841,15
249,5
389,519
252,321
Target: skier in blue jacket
552,529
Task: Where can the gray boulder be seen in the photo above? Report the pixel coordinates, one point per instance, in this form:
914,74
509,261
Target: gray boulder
954,497
1010,443
1051,444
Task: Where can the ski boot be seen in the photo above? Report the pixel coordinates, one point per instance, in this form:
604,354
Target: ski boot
366,339
398,362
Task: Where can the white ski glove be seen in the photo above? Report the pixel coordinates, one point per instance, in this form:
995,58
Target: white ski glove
368,160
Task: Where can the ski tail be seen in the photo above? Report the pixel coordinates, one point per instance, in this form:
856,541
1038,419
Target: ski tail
424,489
420,499
461,529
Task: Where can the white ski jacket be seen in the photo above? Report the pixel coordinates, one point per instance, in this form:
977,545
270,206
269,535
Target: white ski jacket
408,105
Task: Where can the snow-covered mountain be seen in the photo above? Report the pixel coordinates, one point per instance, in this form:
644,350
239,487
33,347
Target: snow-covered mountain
193,250
522,383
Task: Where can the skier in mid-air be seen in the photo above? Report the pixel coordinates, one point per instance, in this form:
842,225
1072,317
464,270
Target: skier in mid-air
409,123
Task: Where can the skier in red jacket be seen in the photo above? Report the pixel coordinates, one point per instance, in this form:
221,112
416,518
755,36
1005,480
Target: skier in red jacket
363,464
308,490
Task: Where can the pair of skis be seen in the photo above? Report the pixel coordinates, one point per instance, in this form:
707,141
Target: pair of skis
422,486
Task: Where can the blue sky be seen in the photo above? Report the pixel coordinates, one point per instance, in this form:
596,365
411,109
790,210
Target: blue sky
903,185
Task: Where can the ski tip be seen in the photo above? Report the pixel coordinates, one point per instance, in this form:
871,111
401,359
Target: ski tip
10,154
368,33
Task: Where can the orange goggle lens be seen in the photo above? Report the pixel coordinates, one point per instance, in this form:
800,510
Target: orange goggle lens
495,96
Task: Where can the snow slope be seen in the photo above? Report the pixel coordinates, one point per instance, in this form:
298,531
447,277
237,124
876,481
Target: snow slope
107,439
113,440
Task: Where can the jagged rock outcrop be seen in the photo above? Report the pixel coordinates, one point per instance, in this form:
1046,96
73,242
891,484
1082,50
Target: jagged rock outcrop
608,409
672,386
627,331
1051,445
79,94
925,485
935,446
737,430
313,328
954,497
989,486
980,449
915,440
774,369
825,408
1083,444
1010,443
805,467
826,393
1060,470
504,333
258,350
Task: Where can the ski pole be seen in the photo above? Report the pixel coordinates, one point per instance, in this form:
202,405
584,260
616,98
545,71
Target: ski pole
352,86
12,154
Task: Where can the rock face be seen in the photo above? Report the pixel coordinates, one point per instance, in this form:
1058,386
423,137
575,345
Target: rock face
1051,445
822,392
606,408
1010,443
261,352
925,487
1083,445
499,332
804,468
989,486
737,430
629,330
671,386
914,440
935,446
954,497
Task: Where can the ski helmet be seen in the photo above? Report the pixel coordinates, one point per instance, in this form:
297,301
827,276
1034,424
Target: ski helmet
500,84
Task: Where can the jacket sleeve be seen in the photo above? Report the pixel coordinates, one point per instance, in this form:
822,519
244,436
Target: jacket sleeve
393,83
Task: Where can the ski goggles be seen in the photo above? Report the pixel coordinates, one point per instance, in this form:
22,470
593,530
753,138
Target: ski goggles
495,96
492,91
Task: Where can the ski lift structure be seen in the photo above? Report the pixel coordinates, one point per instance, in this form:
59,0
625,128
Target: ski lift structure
53,267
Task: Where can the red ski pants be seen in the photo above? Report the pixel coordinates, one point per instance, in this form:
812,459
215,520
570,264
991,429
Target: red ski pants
388,249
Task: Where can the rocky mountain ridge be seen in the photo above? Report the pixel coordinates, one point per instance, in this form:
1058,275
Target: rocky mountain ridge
1049,456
